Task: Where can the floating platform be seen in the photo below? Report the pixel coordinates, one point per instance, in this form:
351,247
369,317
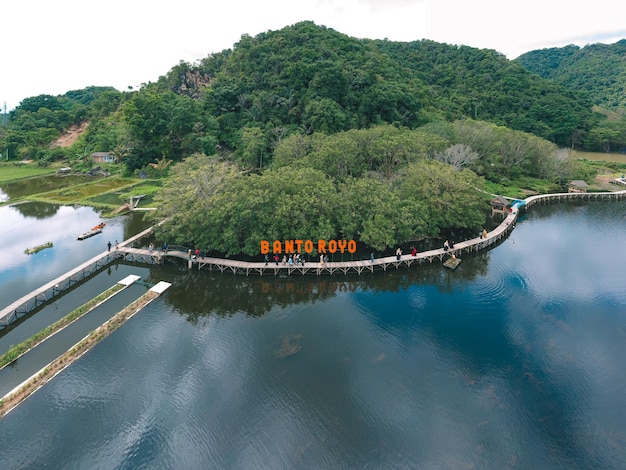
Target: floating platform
452,263
30,251
160,287
130,279
91,233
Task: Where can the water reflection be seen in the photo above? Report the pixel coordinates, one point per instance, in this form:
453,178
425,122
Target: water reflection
37,210
517,363
29,225
205,293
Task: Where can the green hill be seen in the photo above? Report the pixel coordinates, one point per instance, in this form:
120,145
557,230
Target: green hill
313,77
302,79
598,70
307,133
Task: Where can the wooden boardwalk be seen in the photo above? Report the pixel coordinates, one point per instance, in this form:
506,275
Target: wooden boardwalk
127,252
144,255
361,266
39,296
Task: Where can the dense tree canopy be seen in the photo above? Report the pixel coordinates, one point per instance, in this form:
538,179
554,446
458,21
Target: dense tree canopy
598,70
212,204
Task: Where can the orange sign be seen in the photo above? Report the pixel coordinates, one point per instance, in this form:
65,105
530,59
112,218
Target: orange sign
308,246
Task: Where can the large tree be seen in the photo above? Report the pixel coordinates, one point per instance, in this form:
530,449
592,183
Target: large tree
165,124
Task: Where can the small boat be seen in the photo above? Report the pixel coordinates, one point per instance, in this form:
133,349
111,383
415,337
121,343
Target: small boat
100,226
90,233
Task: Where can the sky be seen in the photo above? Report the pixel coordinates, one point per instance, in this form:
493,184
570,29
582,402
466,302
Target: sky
55,46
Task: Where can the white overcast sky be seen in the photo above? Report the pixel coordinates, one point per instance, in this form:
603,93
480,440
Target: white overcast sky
54,46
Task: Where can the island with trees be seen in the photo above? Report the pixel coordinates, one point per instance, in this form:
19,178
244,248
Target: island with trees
306,133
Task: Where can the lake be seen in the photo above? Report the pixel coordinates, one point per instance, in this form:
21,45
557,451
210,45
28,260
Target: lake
31,224
513,360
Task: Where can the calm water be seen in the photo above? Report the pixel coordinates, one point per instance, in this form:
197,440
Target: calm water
32,224
514,360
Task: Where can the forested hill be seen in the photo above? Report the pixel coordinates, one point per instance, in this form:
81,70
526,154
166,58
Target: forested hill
305,79
483,84
599,70
314,77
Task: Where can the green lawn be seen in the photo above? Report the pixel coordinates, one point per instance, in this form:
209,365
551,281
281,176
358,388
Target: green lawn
14,171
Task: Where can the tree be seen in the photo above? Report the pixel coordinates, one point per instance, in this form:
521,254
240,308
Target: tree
254,145
443,197
393,149
188,194
161,165
326,116
121,152
370,211
603,137
164,123
458,156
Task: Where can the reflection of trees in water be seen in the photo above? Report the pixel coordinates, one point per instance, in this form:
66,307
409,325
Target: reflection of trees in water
38,210
136,223
479,344
204,293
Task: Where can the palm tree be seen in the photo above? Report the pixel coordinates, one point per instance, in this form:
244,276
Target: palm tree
121,151
161,165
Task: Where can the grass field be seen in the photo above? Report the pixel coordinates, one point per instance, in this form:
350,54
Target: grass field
13,171
109,192
600,156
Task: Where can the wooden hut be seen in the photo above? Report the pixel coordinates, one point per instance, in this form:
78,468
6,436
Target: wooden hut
577,186
499,206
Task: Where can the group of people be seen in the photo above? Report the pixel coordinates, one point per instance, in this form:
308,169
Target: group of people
293,259
399,253
195,254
